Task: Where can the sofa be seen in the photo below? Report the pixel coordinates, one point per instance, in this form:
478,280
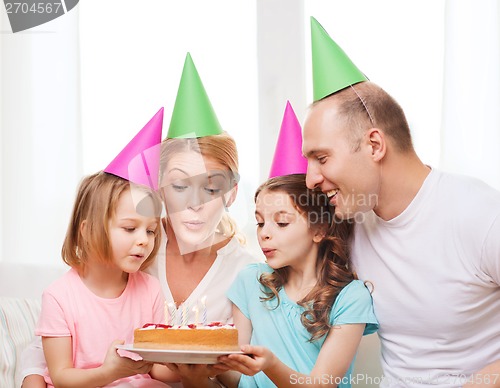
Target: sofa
21,287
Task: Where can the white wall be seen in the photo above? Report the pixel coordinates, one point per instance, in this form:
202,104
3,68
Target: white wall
399,46
470,136
281,70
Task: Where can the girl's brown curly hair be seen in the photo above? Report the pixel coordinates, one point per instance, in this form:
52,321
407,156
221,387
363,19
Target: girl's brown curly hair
333,266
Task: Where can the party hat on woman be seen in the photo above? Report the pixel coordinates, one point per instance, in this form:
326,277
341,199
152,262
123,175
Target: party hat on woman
139,161
288,158
193,115
332,68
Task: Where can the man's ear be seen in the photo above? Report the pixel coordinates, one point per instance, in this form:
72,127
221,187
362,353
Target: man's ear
378,143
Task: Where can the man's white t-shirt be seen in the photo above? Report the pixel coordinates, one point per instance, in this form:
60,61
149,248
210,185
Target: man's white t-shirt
435,271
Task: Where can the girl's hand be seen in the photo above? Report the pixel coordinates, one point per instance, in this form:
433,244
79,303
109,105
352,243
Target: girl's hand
256,359
118,367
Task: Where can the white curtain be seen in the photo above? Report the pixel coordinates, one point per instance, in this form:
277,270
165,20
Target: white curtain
40,138
281,69
470,142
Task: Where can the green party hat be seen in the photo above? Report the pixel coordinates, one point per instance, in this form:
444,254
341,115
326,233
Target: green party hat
193,115
332,68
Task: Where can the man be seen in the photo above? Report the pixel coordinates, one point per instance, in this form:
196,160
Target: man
428,241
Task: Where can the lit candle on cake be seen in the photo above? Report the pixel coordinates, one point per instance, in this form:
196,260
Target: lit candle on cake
196,311
184,315
204,307
165,313
171,306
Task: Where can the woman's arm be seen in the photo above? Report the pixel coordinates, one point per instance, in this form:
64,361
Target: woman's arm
33,365
58,353
333,361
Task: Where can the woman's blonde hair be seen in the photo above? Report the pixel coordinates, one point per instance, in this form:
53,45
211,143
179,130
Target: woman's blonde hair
95,204
221,149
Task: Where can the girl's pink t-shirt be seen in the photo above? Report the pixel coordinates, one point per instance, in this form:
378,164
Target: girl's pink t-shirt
70,309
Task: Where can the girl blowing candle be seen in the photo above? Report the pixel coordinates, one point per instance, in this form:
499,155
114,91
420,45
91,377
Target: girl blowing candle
112,234
308,319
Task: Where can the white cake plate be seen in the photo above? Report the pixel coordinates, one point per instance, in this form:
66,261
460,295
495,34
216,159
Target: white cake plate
177,356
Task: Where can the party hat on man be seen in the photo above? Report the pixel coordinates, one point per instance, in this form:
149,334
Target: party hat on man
139,161
288,158
332,68
193,115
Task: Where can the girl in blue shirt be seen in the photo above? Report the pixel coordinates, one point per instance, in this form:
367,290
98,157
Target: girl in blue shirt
303,312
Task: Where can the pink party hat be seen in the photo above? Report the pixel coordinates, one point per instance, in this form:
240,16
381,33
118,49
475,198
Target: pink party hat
288,158
139,161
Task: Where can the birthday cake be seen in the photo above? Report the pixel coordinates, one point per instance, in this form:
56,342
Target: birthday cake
214,336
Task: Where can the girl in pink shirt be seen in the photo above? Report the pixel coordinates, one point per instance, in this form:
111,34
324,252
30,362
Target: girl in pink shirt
113,233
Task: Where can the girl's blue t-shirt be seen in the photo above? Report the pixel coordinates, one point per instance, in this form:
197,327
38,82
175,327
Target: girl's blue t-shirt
281,330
